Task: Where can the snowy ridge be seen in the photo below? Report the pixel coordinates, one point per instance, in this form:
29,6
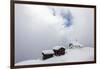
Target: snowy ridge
71,55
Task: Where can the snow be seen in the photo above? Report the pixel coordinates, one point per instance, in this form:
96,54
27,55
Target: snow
76,43
58,47
71,55
48,51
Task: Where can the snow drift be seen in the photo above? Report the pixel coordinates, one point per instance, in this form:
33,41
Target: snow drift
71,55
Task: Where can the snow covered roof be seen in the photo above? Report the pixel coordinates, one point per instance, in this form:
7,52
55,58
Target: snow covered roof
58,47
76,43
48,51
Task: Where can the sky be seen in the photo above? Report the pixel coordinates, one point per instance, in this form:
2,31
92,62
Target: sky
38,28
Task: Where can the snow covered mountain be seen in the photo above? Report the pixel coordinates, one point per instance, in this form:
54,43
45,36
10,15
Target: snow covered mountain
71,55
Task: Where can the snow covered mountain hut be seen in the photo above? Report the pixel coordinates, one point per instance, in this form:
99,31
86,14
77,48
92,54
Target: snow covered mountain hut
47,54
59,50
75,44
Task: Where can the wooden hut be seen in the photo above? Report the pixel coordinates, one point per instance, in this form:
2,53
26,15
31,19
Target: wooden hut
59,50
47,54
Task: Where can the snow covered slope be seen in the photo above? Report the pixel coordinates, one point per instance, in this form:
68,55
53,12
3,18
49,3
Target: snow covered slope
71,55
